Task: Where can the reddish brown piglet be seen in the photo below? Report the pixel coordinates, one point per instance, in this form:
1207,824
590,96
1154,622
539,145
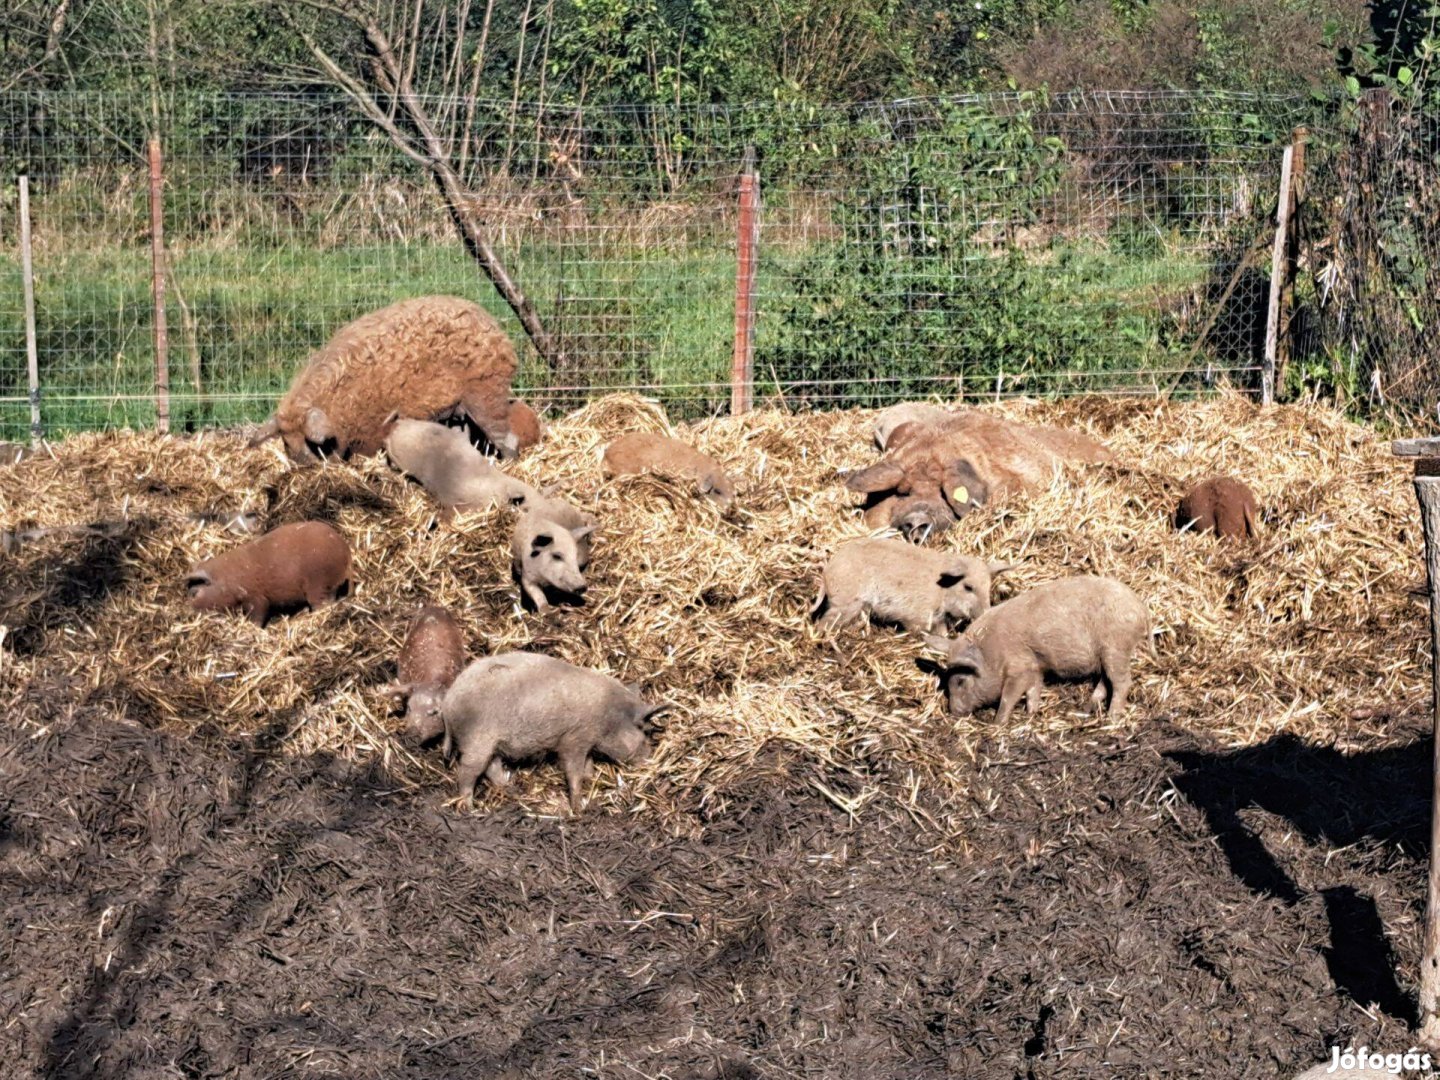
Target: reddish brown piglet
1220,505
433,654
643,452
307,563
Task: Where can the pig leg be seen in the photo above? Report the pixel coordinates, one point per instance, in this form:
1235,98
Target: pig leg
1011,691
497,774
536,594
1117,671
1032,699
837,615
1099,694
575,760
317,596
473,761
256,609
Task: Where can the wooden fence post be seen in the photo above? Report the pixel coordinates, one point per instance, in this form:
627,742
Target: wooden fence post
157,288
1426,453
1277,275
1284,322
27,277
747,238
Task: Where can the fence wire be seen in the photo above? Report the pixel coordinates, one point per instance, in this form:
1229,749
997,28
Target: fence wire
997,244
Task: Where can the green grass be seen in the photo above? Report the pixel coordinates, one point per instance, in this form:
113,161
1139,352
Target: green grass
663,320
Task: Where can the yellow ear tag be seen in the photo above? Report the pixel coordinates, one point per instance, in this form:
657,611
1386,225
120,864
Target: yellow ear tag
962,494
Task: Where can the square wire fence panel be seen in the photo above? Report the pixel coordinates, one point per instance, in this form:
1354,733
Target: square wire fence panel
971,246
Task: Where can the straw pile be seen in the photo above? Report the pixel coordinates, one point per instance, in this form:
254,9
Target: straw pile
1317,630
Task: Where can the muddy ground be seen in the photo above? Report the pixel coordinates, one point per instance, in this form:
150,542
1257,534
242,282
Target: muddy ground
1143,906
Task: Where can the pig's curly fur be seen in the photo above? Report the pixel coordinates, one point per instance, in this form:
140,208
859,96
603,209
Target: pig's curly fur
427,358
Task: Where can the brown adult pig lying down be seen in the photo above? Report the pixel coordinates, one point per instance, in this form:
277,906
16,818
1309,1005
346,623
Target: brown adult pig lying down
935,472
520,706
1074,628
307,563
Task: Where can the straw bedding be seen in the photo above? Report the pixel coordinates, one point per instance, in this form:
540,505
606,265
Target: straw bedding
221,858
1315,630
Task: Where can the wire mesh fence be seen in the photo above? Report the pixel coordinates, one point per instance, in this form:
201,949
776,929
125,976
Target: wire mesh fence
983,245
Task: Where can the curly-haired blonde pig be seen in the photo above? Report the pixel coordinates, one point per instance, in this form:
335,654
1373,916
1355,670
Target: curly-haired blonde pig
1072,629
643,452
521,706
895,581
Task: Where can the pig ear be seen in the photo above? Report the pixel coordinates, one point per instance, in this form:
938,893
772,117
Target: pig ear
646,719
707,483
317,425
882,476
938,643
962,488
1001,567
582,531
267,431
966,660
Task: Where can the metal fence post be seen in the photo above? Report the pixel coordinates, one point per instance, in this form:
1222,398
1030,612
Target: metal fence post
157,288
747,237
27,275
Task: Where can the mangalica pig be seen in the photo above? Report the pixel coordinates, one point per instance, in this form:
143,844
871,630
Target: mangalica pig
431,658
895,581
1074,628
546,559
1220,505
430,358
525,425
642,452
935,473
887,421
305,563
521,706
450,468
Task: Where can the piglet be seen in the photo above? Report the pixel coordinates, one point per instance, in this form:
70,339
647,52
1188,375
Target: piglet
642,452
895,581
525,425
545,556
1074,628
1220,505
450,467
304,563
431,658
520,706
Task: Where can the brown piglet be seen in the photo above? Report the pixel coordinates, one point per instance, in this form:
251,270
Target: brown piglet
642,452
431,658
1222,505
306,563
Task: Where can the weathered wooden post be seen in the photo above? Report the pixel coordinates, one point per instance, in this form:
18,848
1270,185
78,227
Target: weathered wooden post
1426,453
1277,280
157,288
747,235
